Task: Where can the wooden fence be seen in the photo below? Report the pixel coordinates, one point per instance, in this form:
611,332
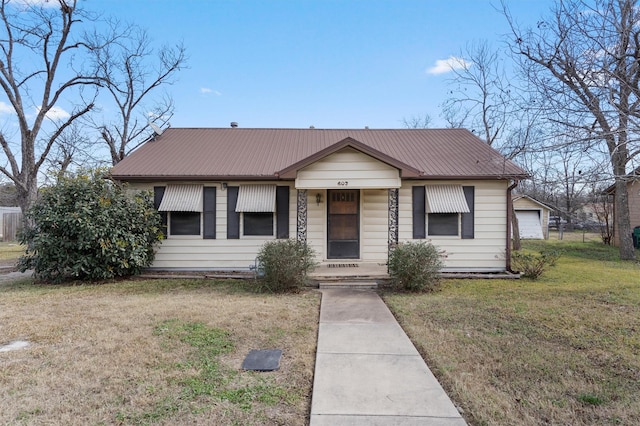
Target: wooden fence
11,224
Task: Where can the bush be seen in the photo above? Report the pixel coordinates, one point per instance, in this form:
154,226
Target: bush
532,265
88,228
285,265
415,266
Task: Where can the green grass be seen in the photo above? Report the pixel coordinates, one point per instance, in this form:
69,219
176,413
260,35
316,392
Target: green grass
204,378
562,349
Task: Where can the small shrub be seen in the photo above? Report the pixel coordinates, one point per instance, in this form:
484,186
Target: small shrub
532,265
285,265
415,266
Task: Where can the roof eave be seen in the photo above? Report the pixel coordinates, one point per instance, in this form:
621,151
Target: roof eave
472,177
155,178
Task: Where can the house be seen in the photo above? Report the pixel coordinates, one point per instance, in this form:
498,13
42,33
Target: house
633,190
533,217
352,195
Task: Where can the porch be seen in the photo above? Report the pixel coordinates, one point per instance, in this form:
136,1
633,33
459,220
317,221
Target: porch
345,274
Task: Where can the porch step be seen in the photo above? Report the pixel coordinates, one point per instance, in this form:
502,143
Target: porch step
323,285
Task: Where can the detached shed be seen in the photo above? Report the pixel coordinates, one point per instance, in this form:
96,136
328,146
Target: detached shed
533,217
10,219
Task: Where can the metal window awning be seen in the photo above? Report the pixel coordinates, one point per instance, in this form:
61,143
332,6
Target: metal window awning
256,199
446,199
181,198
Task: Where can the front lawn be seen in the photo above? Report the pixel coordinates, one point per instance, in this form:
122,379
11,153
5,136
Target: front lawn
561,350
154,352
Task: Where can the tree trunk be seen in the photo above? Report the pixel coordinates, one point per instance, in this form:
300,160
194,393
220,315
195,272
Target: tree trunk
627,251
26,197
515,229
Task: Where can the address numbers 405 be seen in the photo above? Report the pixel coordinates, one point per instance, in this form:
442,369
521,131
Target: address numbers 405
343,183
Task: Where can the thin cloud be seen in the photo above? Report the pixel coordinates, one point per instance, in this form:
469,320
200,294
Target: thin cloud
453,63
57,113
40,3
6,108
206,91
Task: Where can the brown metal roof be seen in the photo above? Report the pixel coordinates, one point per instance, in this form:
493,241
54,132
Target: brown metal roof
215,154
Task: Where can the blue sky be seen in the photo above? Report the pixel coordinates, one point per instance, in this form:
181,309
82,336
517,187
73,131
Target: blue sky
330,64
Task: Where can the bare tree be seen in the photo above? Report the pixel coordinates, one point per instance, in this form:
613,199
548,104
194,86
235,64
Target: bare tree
73,147
481,100
132,71
583,61
38,68
480,95
417,122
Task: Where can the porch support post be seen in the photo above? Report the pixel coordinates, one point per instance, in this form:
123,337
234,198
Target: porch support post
393,218
302,215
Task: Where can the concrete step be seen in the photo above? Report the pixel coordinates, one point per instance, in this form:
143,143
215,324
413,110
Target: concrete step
323,285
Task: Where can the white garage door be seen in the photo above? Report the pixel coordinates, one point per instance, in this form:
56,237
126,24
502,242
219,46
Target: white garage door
529,224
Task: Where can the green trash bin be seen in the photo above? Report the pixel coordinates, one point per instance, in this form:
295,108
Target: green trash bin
636,237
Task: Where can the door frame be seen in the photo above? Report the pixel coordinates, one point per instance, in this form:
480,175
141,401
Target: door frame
358,224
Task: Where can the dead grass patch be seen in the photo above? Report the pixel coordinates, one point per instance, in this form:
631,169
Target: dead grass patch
9,253
560,350
96,357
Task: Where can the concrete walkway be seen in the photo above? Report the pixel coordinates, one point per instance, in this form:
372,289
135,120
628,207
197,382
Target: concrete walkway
367,370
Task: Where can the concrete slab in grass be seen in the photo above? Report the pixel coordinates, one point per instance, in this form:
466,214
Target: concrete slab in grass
385,338
378,385
333,420
354,306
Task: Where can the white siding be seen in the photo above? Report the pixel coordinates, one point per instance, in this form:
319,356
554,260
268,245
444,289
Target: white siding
374,225
486,251
348,169
195,253
317,222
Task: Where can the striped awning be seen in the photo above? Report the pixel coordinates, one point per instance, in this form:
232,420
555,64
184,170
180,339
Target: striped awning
256,199
446,199
181,198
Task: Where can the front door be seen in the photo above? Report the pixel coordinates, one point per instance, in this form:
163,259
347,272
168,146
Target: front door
343,224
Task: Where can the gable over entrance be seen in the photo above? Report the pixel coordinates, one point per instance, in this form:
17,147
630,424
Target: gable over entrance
348,168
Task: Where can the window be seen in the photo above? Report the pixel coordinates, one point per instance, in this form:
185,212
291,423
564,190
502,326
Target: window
258,207
443,224
448,210
187,209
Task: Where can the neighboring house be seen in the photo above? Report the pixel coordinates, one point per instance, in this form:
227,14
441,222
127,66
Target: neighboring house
533,217
633,189
352,195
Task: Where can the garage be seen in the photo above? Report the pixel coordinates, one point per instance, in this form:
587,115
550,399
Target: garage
530,224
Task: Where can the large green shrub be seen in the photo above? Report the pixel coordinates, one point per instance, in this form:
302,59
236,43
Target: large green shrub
89,228
415,266
284,265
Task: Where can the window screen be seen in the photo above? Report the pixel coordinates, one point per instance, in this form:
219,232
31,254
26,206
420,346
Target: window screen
257,223
184,223
443,223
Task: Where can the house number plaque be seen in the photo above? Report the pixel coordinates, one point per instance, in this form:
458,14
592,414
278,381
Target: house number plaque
343,183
